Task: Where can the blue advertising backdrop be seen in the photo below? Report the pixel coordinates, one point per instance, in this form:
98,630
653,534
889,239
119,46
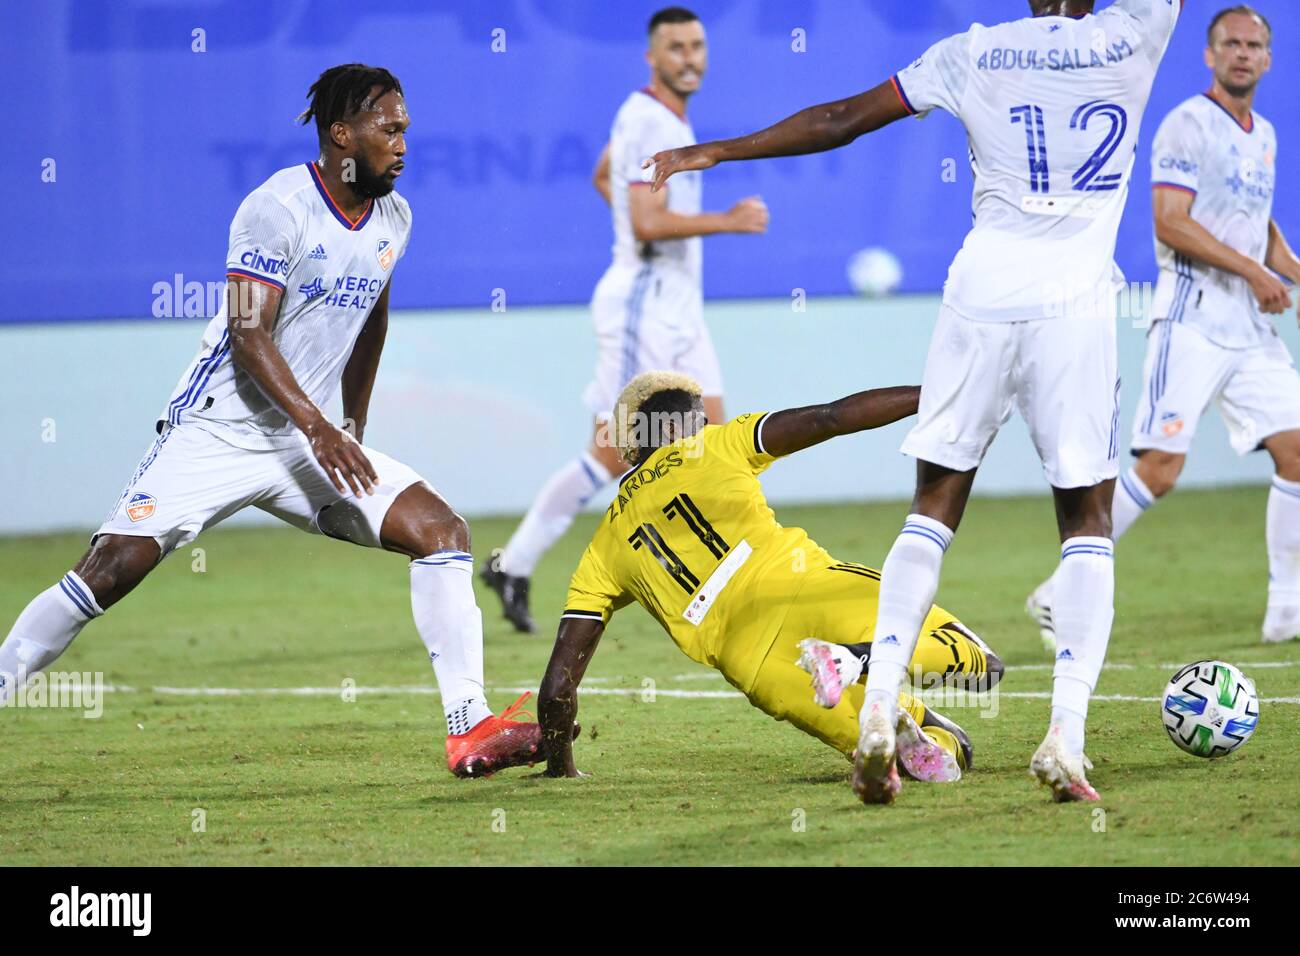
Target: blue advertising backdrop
153,144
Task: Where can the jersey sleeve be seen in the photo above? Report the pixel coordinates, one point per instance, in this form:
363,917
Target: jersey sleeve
740,441
938,79
594,594
638,135
1156,19
262,237
1177,151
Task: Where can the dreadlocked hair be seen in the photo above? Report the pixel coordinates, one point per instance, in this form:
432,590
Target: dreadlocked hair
343,91
647,394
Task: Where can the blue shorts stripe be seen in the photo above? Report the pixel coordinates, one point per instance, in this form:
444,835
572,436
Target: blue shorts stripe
198,379
632,325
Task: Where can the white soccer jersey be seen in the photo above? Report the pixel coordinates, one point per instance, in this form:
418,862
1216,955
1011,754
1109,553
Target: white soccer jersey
1052,107
1231,170
643,126
289,234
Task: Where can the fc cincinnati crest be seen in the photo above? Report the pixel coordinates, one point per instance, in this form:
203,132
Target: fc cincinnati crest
140,506
1171,423
384,252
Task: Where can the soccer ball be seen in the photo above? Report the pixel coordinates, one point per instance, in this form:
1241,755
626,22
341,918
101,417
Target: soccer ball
1210,708
874,272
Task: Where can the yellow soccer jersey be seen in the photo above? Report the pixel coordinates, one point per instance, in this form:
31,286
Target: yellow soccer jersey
691,538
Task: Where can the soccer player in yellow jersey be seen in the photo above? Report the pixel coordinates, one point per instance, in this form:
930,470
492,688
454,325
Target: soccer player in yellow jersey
691,539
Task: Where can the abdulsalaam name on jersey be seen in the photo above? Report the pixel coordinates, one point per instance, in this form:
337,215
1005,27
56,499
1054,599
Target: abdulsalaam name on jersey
1058,58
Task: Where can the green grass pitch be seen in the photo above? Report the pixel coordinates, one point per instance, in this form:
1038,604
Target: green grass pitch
286,778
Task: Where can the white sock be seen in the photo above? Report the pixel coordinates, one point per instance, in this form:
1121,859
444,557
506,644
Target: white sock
908,583
1132,498
1283,534
1083,608
552,511
451,626
44,630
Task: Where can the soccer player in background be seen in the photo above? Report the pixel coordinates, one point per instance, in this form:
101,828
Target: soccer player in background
311,256
1213,171
648,308
1051,105
691,538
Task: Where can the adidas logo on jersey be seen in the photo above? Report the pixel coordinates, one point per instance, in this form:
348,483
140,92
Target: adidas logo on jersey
891,639
1065,655
317,253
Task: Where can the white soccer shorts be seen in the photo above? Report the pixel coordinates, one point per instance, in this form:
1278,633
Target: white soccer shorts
191,479
1257,390
1061,375
648,319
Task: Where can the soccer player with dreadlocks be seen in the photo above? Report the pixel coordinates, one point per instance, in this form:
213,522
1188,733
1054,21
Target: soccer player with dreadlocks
309,269
691,539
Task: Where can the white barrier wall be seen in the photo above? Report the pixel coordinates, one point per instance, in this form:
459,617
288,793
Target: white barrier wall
486,404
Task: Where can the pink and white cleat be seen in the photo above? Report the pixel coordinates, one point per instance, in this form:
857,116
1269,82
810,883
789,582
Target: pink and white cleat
875,771
922,758
1054,766
832,668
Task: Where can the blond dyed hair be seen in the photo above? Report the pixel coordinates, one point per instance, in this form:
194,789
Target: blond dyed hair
635,395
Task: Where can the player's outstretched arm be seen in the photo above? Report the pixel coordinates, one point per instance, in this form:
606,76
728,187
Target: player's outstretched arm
363,365
813,130
798,428
251,309
557,706
1176,228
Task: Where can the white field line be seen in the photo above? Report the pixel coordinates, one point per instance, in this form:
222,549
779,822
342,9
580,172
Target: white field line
671,692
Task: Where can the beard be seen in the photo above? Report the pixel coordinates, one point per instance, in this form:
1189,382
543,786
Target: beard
1237,89
670,81
371,184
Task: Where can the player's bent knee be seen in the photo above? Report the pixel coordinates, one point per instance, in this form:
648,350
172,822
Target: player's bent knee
1160,471
420,522
1285,449
439,532
115,564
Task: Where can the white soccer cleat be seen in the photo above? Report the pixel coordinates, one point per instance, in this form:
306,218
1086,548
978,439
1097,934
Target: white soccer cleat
875,772
1054,766
1281,623
832,668
1039,607
921,757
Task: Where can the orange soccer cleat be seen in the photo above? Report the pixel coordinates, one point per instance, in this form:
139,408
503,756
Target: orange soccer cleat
495,743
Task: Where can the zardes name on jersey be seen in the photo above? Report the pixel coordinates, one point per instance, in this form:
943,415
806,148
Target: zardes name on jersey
1052,108
290,234
691,538
1231,171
